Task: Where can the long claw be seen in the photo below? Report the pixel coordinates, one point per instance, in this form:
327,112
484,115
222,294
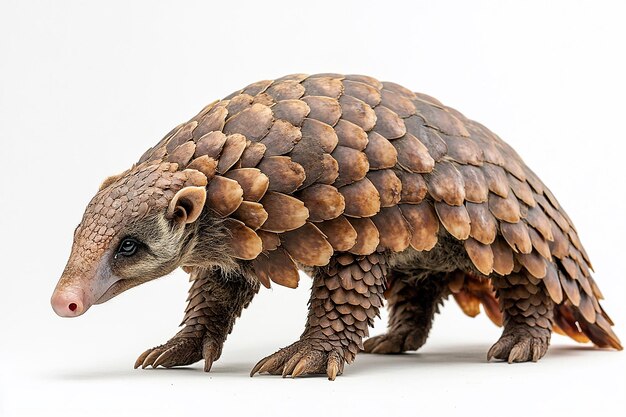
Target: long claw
302,358
269,365
494,351
291,363
519,352
178,351
518,344
258,366
163,357
208,363
500,348
536,352
300,367
151,358
332,369
371,343
141,358
210,350
385,346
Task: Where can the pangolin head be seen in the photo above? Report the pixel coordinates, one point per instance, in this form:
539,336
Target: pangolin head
134,230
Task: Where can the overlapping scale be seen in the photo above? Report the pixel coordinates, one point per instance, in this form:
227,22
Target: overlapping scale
276,266
483,225
339,232
323,86
363,92
351,135
388,123
324,202
292,111
423,224
307,245
394,231
446,184
210,145
284,212
281,138
325,109
284,175
398,102
253,123
380,152
361,199
251,214
204,164
353,165
244,242
253,182
231,152
388,185
224,195
413,156
357,112
413,187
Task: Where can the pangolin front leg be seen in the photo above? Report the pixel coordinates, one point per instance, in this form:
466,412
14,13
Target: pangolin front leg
412,306
528,317
345,298
215,302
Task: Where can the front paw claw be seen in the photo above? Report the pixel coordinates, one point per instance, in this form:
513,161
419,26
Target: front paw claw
178,351
211,352
305,357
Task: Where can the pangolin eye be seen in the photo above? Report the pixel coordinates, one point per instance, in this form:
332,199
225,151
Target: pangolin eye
128,247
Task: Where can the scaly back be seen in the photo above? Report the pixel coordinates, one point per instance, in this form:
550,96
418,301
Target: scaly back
304,166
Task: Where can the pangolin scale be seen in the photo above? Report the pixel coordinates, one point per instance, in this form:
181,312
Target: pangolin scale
375,190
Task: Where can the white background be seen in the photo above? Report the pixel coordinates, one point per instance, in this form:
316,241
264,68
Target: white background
86,87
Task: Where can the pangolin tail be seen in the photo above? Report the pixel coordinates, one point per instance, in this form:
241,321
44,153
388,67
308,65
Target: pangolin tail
470,292
569,321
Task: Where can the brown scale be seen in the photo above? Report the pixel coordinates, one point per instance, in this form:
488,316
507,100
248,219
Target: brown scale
310,170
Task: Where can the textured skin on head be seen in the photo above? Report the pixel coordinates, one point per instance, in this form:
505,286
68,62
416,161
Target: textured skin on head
142,190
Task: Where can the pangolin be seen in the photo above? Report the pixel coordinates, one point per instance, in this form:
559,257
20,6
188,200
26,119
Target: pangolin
376,191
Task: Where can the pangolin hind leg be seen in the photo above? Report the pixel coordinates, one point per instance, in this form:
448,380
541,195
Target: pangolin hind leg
215,302
528,318
412,306
345,298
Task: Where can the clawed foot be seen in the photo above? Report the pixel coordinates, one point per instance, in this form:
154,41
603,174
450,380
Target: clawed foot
304,357
180,351
519,345
395,342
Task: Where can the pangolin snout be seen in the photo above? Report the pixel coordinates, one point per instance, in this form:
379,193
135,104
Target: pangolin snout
68,302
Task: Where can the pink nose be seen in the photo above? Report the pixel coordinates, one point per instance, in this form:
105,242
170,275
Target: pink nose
68,302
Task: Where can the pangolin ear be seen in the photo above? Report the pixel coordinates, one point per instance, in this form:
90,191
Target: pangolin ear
187,205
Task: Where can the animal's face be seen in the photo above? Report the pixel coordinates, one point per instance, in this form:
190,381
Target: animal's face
137,228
